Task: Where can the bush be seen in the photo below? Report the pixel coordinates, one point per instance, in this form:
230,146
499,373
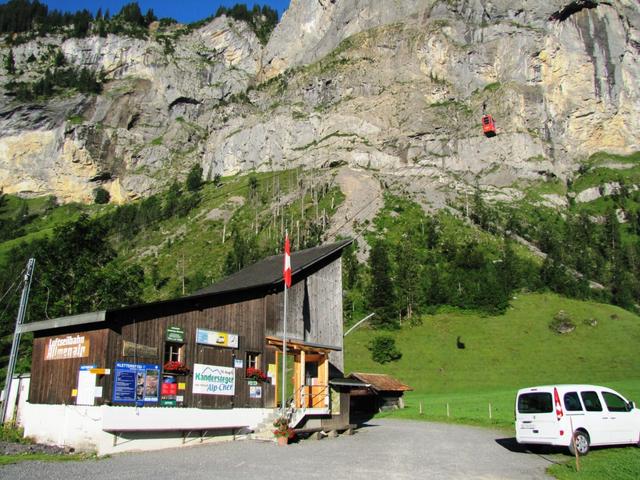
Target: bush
10,432
383,349
101,196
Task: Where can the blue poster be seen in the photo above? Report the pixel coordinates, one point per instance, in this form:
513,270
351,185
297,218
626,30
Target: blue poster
136,383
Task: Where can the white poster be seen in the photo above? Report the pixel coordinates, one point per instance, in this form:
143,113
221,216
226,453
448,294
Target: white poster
86,386
213,380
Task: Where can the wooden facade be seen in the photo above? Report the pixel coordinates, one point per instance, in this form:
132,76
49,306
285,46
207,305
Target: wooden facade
249,304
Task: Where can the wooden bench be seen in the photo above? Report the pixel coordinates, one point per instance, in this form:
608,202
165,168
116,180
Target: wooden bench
235,430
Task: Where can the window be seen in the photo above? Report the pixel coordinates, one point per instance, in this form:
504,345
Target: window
538,402
253,360
572,402
310,372
591,402
173,352
614,402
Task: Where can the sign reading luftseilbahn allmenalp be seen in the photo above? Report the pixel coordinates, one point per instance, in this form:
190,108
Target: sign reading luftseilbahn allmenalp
71,346
213,380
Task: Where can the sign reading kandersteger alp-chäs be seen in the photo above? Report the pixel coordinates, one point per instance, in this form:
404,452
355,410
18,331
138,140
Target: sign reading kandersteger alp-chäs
71,346
214,380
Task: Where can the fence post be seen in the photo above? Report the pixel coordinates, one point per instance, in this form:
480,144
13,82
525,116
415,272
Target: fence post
447,410
420,407
490,416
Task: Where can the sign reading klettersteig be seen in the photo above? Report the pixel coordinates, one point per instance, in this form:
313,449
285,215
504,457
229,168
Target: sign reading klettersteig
213,380
71,346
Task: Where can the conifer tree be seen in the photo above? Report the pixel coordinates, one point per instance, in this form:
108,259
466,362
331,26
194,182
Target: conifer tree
10,63
381,291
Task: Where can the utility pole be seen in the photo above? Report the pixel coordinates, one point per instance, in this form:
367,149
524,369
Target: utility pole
13,356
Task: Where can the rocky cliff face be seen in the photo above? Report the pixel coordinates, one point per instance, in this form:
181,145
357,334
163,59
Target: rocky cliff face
398,89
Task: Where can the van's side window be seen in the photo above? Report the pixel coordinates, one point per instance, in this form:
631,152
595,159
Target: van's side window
614,402
572,402
591,401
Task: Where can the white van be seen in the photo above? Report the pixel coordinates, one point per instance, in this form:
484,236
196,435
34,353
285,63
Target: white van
597,415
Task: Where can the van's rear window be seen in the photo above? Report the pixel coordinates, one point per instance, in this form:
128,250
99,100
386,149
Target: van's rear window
537,402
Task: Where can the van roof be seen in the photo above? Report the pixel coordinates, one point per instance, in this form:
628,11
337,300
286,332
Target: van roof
561,387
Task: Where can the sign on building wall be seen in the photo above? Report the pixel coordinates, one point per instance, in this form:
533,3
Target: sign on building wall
213,380
218,339
86,392
175,334
136,382
130,349
62,348
255,392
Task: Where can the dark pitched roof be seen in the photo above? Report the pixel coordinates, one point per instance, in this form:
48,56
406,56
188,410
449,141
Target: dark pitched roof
381,382
265,273
268,272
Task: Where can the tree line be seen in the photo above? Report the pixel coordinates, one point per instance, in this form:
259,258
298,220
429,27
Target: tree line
22,16
429,262
579,246
419,262
262,20
19,16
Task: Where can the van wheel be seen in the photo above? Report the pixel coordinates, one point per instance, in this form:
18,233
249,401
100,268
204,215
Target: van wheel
581,441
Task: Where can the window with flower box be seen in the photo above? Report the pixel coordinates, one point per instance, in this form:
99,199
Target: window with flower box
174,361
252,360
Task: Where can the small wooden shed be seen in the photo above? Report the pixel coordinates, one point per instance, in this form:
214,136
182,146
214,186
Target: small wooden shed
381,392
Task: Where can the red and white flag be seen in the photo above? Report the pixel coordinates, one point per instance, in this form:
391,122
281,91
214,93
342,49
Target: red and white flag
558,405
287,262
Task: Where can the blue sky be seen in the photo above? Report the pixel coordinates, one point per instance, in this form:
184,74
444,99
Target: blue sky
184,11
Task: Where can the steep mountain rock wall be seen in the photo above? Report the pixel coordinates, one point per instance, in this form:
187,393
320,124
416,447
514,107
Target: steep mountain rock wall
398,88
153,87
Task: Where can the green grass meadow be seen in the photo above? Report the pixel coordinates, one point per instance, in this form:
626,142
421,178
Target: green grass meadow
621,463
502,354
508,352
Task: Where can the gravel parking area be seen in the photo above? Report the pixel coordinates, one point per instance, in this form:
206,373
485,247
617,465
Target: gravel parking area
386,449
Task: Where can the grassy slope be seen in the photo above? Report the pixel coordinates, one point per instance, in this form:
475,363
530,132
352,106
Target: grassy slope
611,463
193,244
504,353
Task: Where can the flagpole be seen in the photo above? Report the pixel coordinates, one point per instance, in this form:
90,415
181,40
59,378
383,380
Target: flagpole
284,354
287,283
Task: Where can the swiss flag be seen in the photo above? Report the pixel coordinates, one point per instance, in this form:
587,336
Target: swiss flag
558,405
287,262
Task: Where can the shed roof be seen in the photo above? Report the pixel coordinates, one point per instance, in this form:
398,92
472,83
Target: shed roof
381,382
263,274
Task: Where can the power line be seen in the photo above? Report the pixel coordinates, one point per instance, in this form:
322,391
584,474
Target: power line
15,283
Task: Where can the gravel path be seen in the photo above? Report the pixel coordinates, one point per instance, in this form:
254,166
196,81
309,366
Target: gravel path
385,449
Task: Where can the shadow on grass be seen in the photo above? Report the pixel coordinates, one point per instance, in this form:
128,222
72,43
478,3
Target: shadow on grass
542,451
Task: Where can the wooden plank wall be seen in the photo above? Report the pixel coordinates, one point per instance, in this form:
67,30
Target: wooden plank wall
53,380
316,302
245,319
325,307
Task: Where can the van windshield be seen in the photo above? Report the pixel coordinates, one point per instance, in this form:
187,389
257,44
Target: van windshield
535,402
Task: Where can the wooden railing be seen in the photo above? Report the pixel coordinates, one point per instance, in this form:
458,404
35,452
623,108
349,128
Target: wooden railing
312,396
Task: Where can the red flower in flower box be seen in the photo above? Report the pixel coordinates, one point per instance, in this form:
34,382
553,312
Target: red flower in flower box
175,367
256,374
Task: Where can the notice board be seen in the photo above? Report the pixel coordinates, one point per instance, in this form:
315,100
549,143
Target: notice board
136,383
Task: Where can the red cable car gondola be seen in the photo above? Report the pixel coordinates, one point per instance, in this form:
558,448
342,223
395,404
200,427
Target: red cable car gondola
488,126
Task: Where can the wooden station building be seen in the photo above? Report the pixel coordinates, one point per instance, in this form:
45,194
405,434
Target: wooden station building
220,348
